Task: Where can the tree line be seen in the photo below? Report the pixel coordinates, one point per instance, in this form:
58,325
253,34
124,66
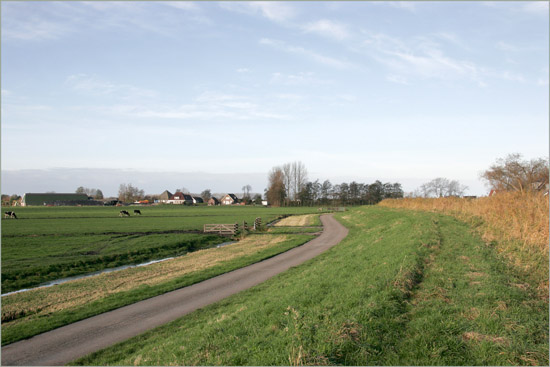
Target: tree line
288,185
512,173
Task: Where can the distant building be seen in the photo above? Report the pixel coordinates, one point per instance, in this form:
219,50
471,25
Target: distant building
54,199
229,199
213,201
165,196
197,200
180,198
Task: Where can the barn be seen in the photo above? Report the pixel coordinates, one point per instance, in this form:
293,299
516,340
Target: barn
165,196
54,199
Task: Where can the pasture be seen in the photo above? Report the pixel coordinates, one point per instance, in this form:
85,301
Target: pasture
28,313
47,243
404,288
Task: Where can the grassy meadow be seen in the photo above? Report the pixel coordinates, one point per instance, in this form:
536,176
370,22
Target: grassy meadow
404,288
48,243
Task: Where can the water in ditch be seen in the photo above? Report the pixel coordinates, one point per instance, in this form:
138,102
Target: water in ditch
110,270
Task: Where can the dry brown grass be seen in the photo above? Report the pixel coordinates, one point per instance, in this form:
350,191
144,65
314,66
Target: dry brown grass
43,301
477,337
517,223
507,216
297,220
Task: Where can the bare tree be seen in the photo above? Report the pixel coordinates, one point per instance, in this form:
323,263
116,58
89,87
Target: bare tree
246,192
299,178
128,193
514,174
287,179
295,179
440,187
95,193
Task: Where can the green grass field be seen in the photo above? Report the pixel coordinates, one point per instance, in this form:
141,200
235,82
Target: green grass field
47,243
404,288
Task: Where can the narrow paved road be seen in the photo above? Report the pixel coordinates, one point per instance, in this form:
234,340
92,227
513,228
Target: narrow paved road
62,345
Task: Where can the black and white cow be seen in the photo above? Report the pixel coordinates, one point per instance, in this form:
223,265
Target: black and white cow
137,212
123,213
10,215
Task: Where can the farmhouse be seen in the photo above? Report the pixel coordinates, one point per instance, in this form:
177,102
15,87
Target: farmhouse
165,196
180,198
57,199
197,200
213,201
229,199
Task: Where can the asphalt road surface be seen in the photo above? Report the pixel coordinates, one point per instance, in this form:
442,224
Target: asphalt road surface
67,343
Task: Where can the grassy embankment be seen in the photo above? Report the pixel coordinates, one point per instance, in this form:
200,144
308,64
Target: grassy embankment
403,288
48,243
515,224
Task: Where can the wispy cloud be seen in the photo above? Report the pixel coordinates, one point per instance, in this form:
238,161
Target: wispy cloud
536,7
40,21
21,23
206,106
405,5
93,85
303,78
274,11
313,55
423,57
328,28
182,5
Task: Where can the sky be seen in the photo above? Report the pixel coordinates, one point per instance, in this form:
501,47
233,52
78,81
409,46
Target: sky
214,94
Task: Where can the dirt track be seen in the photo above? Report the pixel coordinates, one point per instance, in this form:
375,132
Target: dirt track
60,346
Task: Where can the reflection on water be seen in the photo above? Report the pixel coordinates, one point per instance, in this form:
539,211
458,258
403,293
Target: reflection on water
68,279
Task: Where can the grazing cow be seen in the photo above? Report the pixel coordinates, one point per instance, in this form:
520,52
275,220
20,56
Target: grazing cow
137,212
10,215
123,213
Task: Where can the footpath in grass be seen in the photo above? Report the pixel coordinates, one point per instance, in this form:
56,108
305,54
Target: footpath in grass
404,288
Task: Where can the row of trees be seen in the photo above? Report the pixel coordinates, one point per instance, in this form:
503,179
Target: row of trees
512,173
353,193
288,185
128,193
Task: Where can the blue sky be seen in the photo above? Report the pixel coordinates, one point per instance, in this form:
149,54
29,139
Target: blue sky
396,91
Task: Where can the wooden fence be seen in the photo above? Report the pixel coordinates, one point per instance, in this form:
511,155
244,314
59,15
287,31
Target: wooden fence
221,228
335,209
